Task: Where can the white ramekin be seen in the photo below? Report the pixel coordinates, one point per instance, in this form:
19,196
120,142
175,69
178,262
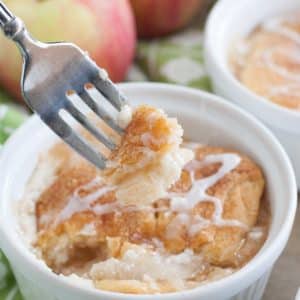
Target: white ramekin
205,118
229,21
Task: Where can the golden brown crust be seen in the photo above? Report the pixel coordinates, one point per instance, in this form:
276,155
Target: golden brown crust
149,130
240,191
150,153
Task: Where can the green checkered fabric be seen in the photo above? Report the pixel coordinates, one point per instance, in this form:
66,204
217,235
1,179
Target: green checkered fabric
10,119
8,287
177,59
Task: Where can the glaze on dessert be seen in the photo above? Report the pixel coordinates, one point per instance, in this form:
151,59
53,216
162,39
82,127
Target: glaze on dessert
268,60
206,225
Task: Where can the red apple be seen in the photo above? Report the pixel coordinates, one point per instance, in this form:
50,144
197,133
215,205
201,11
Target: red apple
104,28
159,17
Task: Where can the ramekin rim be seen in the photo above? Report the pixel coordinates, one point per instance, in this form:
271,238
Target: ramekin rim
284,232
227,76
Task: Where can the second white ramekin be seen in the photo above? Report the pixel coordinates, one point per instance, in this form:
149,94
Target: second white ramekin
229,21
205,118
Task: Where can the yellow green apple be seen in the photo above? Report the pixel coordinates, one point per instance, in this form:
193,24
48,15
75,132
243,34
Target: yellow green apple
103,28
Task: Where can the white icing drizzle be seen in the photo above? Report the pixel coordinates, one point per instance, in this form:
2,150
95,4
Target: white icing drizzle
76,203
103,209
275,67
276,25
182,204
198,193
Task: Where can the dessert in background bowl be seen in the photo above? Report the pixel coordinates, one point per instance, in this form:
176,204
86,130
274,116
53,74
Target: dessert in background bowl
252,56
98,245
267,61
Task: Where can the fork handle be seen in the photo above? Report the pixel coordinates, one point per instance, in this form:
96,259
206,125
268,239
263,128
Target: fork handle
10,24
5,15
14,29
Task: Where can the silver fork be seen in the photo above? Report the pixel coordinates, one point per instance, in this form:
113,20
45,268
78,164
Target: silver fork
50,72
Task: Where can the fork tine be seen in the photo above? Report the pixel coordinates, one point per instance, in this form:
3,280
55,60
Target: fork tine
62,129
110,92
96,108
84,121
